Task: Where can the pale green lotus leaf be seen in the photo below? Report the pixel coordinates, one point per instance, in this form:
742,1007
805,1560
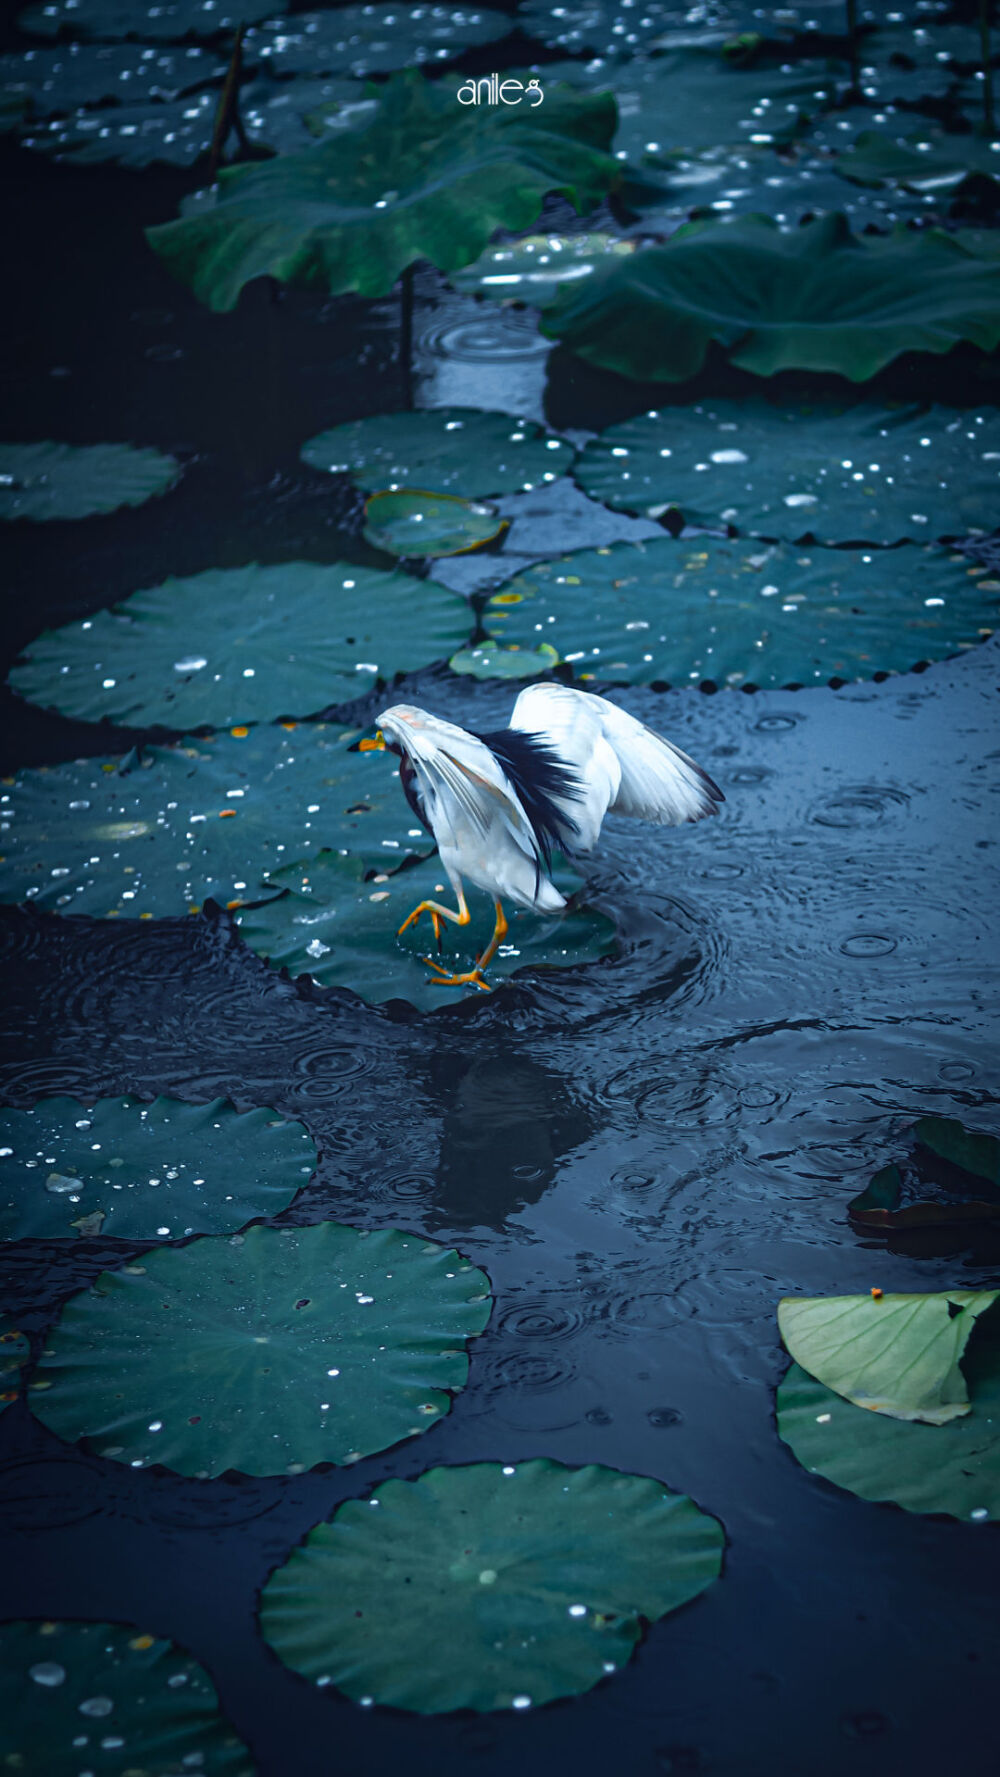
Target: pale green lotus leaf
412,522
898,1355
464,451
42,481
266,1353
116,1166
237,645
488,1587
489,661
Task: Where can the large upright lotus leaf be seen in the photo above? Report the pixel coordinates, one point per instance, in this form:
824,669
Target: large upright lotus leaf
841,471
145,1171
157,20
109,1698
246,644
534,268
426,178
460,449
289,115
266,1353
898,1355
734,612
48,480
948,1174
343,931
87,73
372,39
157,833
816,298
15,1350
176,132
413,522
927,162
953,1468
488,1587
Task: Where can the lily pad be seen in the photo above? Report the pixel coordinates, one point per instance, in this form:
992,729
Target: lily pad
412,522
928,162
534,268
953,1468
815,298
140,1171
488,1587
342,930
426,178
170,20
490,661
897,1355
603,27
841,471
42,481
243,645
176,133
104,1686
267,1353
87,73
949,1174
15,1350
158,832
372,39
738,612
469,453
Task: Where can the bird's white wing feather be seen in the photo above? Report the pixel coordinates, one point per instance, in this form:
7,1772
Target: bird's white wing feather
569,722
649,778
459,773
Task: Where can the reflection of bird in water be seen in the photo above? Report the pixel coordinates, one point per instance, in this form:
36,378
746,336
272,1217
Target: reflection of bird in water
498,804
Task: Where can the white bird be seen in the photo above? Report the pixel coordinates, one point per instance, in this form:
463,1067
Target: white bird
498,804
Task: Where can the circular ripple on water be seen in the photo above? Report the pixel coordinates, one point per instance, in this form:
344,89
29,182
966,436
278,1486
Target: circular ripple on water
867,944
777,723
539,1372
321,1075
858,806
489,338
49,1492
540,1319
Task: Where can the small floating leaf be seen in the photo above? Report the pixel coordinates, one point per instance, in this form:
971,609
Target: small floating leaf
290,1347
411,522
897,1355
464,451
490,661
488,1587
43,481
238,645
145,1170
109,1686
950,1174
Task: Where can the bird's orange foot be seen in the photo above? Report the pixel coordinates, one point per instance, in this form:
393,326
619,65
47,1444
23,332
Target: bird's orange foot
424,907
441,977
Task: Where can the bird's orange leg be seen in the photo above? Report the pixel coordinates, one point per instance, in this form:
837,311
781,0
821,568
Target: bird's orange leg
438,913
475,976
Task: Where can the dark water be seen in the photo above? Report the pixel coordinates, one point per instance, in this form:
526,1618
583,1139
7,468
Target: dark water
644,1155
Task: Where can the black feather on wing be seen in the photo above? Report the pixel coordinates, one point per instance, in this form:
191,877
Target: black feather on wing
538,775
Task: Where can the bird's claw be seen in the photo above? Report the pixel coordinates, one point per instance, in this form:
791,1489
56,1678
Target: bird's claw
424,907
441,977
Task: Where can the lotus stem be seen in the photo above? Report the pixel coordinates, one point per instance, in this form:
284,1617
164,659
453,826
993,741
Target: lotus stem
406,335
853,47
989,126
227,116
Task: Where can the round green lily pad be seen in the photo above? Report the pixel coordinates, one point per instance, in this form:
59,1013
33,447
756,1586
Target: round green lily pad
742,612
342,930
952,1468
533,268
15,1350
265,1353
490,661
176,132
927,161
236,645
87,73
145,1171
840,471
372,39
487,1587
412,522
461,450
604,28
104,1697
169,20
158,832
43,481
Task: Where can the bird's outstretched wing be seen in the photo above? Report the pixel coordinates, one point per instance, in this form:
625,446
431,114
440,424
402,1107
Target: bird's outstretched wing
462,782
651,779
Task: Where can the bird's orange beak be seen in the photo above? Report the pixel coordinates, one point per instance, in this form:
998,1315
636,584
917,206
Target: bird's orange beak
372,745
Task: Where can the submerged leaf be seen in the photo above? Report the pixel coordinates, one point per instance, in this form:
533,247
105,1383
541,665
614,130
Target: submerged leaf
412,522
487,1587
817,298
145,1171
950,1174
15,1350
463,450
424,179
897,1355
243,645
131,1690
42,481
271,1352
